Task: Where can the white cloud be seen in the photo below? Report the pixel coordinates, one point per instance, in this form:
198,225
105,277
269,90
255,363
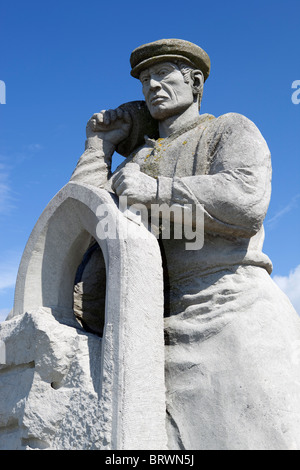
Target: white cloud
34,147
293,204
291,286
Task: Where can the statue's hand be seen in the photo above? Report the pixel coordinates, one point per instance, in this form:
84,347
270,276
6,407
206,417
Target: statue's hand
135,185
111,126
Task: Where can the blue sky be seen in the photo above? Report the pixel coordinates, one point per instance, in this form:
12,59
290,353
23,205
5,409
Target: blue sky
63,61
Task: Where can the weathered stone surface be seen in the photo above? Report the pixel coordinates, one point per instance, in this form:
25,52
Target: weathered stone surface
131,402
50,385
169,49
232,363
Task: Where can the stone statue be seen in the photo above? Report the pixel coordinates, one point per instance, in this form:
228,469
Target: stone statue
229,330
147,340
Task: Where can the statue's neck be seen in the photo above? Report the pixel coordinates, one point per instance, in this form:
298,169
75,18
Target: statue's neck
175,123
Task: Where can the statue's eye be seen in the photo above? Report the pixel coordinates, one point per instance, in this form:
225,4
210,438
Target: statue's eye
163,72
145,80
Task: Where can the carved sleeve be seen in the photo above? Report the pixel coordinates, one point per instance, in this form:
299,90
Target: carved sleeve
94,165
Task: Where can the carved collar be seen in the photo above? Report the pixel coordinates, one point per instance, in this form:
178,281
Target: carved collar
189,126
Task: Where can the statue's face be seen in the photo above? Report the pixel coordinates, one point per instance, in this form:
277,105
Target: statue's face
165,91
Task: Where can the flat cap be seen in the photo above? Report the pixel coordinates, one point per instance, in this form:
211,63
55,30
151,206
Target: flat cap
167,49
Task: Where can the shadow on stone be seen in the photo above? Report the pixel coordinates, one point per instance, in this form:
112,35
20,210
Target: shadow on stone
89,290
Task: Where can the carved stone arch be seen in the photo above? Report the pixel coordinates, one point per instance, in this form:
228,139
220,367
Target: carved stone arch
132,375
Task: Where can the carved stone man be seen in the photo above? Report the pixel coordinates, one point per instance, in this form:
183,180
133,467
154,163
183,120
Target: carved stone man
230,333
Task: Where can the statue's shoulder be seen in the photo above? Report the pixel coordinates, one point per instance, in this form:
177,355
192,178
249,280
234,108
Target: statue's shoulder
235,125
232,120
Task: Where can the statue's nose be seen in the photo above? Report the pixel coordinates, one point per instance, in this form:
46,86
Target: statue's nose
154,84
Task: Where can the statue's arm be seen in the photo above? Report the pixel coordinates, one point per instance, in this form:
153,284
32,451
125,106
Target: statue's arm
94,165
236,192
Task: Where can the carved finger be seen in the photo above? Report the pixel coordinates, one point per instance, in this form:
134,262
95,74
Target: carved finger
93,123
106,118
119,113
113,115
94,116
121,188
117,179
99,117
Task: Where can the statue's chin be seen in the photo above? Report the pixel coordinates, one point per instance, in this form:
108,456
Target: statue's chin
158,113
162,113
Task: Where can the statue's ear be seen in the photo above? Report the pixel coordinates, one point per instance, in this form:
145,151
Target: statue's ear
197,81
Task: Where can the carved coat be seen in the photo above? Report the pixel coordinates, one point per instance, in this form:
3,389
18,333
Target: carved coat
231,334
